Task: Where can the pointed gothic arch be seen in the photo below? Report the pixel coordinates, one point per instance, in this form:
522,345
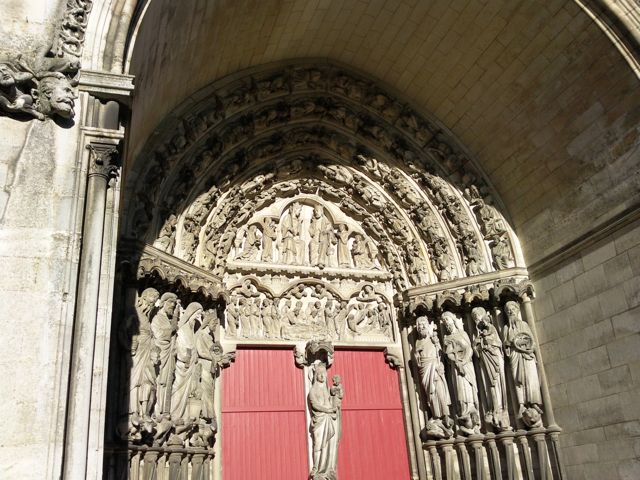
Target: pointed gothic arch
321,208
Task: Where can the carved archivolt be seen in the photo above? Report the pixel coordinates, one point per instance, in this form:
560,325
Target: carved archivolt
319,124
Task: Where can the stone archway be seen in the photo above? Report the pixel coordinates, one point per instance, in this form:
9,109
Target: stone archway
303,203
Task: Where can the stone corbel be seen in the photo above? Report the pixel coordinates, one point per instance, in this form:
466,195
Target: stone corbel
393,357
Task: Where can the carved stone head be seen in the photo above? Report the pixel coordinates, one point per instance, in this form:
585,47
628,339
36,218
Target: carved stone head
169,301
55,95
512,309
320,374
7,76
148,299
449,321
479,316
423,327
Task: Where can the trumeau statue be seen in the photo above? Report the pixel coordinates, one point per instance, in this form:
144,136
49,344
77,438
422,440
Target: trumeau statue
488,348
325,410
427,352
458,350
520,349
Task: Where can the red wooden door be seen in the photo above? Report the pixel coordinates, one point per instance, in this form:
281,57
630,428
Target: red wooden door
264,431
373,443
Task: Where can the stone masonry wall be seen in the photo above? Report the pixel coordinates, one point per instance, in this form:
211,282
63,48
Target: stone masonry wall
588,313
38,194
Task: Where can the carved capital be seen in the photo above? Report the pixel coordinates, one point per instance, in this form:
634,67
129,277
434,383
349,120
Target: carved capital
103,160
307,354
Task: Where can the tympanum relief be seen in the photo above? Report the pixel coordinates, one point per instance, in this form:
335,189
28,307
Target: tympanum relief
309,311
304,233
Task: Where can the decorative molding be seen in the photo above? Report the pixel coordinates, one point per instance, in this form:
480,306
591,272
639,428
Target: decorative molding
477,280
575,247
107,85
151,262
69,40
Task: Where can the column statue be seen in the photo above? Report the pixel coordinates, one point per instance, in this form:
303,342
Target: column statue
205,348
488,348
143,355
164,327
520,349
187,366
457,347
427,353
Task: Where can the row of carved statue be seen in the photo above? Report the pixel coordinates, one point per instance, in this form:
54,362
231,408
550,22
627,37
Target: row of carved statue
328,245
453,395
173,360
307,312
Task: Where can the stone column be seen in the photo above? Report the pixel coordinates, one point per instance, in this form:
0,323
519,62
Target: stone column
102,167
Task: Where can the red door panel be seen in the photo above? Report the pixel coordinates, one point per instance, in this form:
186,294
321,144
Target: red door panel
264,432
373,443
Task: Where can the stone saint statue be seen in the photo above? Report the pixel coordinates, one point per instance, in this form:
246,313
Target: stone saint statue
164,327
325,426
206,357
187,367
344,256
488,348
291,227
520,349
251,244
269,234
432,377
322,238
457,348
144,355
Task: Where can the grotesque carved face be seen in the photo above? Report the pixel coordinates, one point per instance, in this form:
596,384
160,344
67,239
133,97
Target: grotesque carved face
56,96
6,76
